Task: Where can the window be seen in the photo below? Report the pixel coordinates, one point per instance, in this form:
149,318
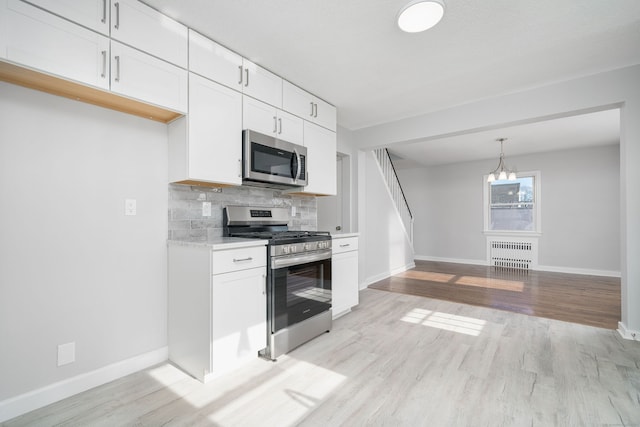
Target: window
513,206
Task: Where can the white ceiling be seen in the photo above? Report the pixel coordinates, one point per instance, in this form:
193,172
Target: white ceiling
587,130
351,53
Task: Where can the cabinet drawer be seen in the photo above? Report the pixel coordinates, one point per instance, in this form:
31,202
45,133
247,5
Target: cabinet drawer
238,259
344,245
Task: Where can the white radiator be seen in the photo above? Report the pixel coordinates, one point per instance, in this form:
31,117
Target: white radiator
516,253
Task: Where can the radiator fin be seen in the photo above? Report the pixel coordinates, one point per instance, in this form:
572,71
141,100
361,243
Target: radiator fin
511,254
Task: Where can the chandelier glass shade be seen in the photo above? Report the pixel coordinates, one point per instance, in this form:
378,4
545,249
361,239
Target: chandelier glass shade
501,172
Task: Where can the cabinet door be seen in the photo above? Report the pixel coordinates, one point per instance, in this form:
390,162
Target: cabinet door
215,62
259,116
37,39
141,76
297,101
144,28
344,281
262,84
238,317
325,114
92,14
321,159
215,132
290,127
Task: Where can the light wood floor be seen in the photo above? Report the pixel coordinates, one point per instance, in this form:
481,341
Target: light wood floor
396,360
589,300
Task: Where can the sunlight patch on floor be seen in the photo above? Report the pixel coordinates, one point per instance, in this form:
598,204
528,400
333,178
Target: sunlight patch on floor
445,321
488,282
292,394
481,282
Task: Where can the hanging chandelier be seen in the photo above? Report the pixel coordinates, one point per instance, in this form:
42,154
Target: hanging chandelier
501,172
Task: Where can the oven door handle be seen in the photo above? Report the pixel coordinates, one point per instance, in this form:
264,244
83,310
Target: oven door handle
288,261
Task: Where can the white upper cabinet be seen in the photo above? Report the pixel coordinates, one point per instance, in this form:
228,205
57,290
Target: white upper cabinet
141,76
93,14
261,84
144,28
215,62
309,107
37,39
266,119
321,160
205,145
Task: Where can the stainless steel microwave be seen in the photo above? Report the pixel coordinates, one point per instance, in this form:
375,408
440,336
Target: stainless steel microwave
272,162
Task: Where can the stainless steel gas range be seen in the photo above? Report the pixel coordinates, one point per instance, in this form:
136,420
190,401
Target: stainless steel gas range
298,275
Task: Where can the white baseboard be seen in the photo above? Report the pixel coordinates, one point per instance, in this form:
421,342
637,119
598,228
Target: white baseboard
585,271
21,404
453,260
381,276
628,334
552,269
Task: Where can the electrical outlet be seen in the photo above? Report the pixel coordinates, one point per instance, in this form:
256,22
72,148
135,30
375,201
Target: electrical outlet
66,353
130,207
293,211
206,208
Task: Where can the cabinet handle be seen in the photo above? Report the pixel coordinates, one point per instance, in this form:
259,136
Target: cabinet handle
345,245
311,109
316,110
242,259
240,68
104,11
246,73
275,124
280,124
104,64
117,24
239,168
264,284
117,58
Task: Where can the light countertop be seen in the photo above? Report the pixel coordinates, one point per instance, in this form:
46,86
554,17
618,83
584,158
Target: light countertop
338,235
220,243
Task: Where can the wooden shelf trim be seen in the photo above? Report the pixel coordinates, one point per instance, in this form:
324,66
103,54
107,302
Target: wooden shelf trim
32,79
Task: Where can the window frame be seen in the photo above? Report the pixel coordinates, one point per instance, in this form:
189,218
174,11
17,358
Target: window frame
537,207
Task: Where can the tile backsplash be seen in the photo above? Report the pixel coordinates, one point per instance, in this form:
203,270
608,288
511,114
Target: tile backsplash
186,221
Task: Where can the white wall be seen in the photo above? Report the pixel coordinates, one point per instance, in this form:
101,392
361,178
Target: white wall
73,267
386,249
580,208
616,88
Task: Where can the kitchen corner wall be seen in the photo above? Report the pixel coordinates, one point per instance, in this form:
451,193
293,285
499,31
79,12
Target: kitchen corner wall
186,221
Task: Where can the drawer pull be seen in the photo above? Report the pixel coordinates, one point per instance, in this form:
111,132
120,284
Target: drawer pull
242,259
345,245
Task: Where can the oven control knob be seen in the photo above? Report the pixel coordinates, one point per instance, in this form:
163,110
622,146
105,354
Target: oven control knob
293,248
285,249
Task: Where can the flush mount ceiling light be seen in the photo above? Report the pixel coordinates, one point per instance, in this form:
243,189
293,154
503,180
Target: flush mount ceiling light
501,171
420,15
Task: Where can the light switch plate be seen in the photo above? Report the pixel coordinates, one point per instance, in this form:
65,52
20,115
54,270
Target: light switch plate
66,353
130,207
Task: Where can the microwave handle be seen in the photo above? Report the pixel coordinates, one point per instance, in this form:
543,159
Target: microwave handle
295,165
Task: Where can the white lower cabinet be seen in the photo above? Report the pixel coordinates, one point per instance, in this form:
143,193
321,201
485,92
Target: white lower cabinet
204,146
39,40
217,315
344,274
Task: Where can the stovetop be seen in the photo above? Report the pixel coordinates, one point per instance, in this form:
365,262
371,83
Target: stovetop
284,237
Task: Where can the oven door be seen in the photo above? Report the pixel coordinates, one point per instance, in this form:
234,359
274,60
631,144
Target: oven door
300,288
